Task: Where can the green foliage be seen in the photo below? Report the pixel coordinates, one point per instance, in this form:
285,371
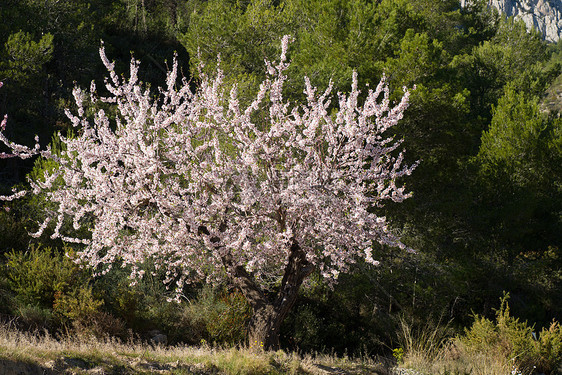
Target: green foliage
306,327
353,317
521,139
79,304
34,317
508,337
550,347
417,59
398,354
39,273
47,165
520,167
52,291
513,56
6,295
331,38
14,235
81,314
140,307
215,28
26,56
480,21
223,316
514,53
36,61
228,321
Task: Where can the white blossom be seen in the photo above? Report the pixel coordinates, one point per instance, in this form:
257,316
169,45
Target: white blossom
187,178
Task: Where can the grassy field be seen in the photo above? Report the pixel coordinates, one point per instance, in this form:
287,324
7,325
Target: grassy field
40,353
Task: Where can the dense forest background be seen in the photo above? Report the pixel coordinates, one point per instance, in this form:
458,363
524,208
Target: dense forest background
484,121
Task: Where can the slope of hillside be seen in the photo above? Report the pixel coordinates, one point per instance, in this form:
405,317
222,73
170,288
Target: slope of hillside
544,15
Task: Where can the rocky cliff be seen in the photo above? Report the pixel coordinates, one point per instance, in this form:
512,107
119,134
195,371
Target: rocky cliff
543,15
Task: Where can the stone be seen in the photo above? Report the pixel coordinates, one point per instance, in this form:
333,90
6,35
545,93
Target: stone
158,338
543,15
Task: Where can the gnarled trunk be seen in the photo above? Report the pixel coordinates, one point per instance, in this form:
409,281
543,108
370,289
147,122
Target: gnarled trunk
264,326
269,313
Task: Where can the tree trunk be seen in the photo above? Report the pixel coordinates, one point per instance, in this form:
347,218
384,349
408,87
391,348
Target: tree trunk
263,329
269,313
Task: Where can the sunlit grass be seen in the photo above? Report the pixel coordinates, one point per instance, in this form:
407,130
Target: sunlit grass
454,359
88,354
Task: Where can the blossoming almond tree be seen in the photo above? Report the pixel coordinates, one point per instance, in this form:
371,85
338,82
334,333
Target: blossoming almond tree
262,196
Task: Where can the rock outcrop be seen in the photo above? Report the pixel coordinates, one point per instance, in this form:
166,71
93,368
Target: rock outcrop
543,15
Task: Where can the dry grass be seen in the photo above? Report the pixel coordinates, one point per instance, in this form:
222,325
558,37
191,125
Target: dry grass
454,359
74,355
425,339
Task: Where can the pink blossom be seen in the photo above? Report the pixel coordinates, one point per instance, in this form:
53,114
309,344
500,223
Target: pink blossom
3,123
199,183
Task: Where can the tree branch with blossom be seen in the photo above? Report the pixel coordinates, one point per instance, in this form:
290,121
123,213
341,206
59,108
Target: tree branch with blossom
210,190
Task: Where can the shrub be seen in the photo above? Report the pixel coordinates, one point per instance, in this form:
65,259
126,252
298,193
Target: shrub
100,325
79,304
515,341
143,306
38,274
6,295
496,347
51,290
224,316
34,317
231,318
550,348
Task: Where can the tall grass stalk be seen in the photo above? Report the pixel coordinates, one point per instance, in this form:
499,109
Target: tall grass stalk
423,341
455,359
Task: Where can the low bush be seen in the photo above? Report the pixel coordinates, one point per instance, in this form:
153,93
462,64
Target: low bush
514,340
79,304
80,312
37,274
500,346
221,316
50,291
34,317
6,294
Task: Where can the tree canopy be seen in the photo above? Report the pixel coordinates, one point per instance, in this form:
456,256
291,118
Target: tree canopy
194,182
